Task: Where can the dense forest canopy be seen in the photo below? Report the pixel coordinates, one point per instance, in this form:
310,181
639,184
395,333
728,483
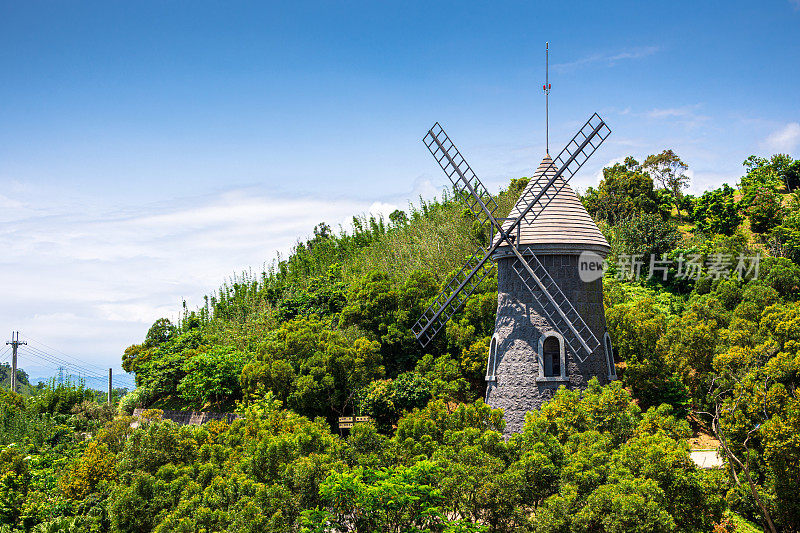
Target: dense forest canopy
702,299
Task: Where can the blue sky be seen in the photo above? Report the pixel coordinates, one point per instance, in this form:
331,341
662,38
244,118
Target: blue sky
148,150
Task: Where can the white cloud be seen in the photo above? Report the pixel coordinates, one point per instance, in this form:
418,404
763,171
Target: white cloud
424,187
598,175
89,281
685,115
608,59
670,112
382,209
9,203
784,140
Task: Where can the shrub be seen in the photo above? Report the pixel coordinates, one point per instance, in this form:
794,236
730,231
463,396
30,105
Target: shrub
138,397
781,274
716,211
212,376
765,210
646,235
96,465
60,398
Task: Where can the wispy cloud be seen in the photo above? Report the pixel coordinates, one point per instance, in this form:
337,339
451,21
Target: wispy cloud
784,140
607,59
9,203
795,3
683,111
687,115
90,281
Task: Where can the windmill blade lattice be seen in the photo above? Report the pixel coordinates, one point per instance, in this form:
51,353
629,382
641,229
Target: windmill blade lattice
556,306
567,163
549,296
468,187
453,296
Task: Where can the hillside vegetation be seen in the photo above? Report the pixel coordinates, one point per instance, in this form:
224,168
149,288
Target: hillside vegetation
326,332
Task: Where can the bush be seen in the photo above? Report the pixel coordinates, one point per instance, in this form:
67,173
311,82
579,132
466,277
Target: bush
646,235
138,397
385,400
60,398
781,274
765,210
729,293
411,390
212,375
624,192
96,465
716,211
90,414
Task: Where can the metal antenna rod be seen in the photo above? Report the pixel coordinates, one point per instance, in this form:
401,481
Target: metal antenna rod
546,88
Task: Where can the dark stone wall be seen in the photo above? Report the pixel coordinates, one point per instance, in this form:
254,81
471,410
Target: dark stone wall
518,328
191,417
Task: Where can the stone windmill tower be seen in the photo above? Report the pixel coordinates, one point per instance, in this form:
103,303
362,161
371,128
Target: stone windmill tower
529,357
550,328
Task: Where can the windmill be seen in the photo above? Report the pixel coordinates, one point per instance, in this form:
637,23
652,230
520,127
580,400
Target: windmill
541,340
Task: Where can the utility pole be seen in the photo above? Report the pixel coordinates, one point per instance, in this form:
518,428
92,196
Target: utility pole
14,344
109,386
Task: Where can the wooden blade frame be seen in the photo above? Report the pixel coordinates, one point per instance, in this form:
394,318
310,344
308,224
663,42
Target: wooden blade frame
555,305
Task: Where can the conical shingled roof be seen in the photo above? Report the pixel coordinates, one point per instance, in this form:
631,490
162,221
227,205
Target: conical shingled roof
564,225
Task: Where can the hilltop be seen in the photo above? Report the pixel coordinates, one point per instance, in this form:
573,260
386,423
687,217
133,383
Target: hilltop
706,340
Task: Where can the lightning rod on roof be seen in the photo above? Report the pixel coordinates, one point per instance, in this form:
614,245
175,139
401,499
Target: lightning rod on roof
546,88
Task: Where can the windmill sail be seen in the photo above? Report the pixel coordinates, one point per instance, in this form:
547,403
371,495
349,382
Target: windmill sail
468,187
555,304
566,164
453,296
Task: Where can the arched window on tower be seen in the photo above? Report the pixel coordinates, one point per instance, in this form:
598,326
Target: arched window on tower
552,358
491,365
612,369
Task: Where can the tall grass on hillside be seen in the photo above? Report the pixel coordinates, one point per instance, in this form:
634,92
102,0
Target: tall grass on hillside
436,242
436,235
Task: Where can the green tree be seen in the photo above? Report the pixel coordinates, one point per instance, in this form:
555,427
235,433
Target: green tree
773,173
636,327
312,368
716,211
212,376
161,332
786,236
624,191
395,499
645,236
781,274
386,400
92,468
668,169
398,218
388,312
765,210
15,478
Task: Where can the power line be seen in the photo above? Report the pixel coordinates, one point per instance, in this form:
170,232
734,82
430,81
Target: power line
51,349
82,378
83,369
124,380
62,362
56,363
59,367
